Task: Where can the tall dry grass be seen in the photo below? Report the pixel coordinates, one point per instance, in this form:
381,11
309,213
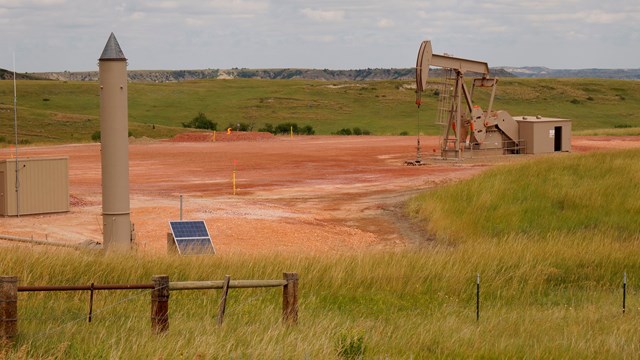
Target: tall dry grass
559,297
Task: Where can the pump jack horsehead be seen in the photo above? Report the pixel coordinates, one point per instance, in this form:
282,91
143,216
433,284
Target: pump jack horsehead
467,126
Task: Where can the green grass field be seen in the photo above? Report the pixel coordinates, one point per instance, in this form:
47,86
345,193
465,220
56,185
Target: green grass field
54,111
550,239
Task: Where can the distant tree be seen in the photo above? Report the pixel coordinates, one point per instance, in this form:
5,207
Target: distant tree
355,131
241,126
307,130
285,128
268,127
344,131
201,122
96,136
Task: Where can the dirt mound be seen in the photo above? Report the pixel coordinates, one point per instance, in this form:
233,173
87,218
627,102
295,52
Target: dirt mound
222,136
141,140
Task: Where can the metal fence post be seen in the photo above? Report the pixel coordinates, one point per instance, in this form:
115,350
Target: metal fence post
160,304
478,298
290,299
8,307
624,293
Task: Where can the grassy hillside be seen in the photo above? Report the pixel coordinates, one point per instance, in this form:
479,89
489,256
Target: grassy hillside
53,111
594,194
550,239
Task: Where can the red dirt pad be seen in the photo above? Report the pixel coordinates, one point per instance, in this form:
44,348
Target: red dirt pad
309,194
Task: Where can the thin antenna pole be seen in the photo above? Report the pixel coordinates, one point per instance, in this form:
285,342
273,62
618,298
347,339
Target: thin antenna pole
15,130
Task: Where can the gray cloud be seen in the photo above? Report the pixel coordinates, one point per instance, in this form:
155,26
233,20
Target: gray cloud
55,35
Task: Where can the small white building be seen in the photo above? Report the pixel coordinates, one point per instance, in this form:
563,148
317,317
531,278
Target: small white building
544,135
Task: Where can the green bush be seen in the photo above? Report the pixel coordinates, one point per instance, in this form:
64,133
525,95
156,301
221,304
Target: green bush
355,131
344,131
240,126
404,133
96,136
201,122
268,127
575,101
285,128
307,130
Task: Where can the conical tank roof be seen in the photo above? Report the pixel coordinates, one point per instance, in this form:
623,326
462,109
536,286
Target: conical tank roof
112,50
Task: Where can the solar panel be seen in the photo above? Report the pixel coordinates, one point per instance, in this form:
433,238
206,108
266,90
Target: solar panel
192,237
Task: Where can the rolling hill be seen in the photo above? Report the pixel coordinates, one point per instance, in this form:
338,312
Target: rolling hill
67,111
270,74
543,72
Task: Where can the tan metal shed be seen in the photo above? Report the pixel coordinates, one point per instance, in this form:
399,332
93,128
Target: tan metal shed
43,186
544,135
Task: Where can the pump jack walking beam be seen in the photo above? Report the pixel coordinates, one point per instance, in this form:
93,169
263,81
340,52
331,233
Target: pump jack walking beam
427,58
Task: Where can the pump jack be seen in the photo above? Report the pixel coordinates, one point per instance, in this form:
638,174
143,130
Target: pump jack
467,127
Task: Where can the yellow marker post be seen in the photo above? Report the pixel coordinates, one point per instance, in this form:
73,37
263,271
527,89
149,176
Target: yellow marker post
291,132
228,131
214,136
234,182
235,162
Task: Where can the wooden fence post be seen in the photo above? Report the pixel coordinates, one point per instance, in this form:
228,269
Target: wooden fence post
290,299
223,301
160,304
8,307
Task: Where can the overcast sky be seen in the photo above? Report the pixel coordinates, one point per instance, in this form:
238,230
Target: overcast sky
58,35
